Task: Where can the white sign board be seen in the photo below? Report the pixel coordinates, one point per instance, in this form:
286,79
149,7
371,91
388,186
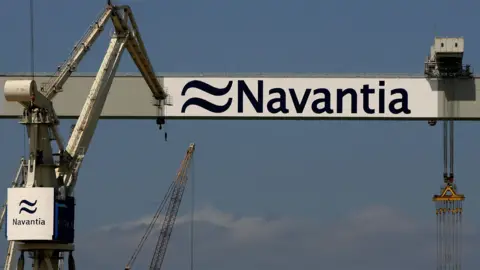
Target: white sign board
234,97
30,213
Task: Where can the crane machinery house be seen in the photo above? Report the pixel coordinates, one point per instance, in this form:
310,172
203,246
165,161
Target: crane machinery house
34,214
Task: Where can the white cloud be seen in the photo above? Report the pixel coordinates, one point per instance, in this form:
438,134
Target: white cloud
376,237
242,229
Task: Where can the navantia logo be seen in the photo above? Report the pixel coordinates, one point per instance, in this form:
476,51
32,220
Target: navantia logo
211,90
319,100
28,206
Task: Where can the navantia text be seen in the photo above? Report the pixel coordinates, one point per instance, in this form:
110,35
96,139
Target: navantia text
319,100
28,222
322,99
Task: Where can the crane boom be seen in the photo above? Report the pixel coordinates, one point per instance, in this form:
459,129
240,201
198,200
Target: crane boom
55,84
135,47
88,120
126,36
172,211
174,197
150,227
58,172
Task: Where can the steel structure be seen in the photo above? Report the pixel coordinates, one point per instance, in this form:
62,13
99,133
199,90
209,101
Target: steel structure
445,61
131,94
174,197
172,211
58,171
447,91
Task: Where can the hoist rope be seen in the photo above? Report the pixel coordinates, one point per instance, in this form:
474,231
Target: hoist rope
452,153
25,142
445,148
192,215
32,41
32,65
448,147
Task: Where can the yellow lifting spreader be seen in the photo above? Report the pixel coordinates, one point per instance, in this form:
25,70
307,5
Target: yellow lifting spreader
449,201
449,194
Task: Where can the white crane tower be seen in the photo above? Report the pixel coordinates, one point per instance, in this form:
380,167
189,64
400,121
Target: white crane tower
40,215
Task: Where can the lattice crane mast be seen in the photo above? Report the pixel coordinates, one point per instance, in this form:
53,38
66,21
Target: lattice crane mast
41,215
174,196
172,211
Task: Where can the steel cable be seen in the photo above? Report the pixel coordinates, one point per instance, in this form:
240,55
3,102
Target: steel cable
192,216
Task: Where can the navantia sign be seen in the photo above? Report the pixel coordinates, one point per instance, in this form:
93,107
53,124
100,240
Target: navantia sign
302,97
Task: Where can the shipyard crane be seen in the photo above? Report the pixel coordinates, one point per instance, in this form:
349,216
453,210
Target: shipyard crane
174,197
41,215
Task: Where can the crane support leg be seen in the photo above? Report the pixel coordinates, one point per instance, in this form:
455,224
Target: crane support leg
40,164
46,256
10,255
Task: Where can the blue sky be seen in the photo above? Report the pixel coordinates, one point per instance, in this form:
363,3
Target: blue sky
267,173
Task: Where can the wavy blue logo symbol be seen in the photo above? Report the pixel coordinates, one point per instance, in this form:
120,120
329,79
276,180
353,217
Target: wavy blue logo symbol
28,206
211,90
